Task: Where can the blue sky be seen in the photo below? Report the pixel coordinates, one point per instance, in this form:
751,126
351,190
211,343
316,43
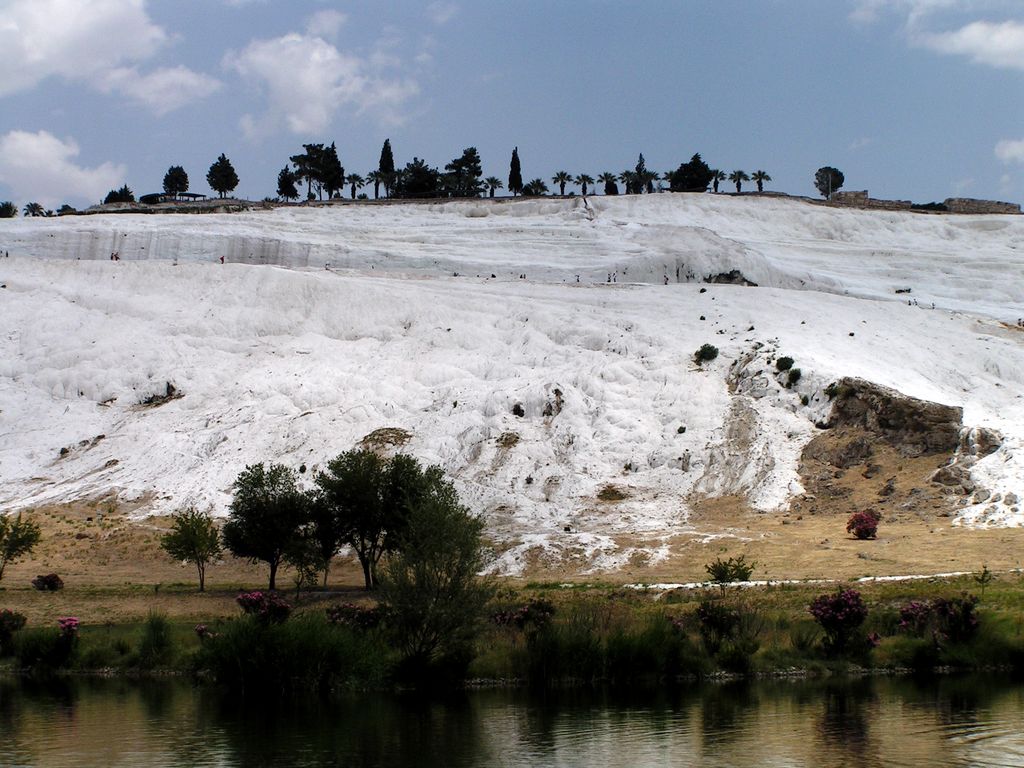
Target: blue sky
911,99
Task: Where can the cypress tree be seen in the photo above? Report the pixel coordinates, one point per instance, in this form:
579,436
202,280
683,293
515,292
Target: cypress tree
515,174
386,166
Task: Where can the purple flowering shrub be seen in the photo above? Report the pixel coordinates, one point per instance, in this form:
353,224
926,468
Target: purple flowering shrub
204,633
362,618
534,616
863,525
265,606
839,614
952,619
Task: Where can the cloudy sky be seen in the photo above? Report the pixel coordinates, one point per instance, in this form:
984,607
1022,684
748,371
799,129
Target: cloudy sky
919,99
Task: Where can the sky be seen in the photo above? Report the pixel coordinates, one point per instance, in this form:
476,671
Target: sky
911,99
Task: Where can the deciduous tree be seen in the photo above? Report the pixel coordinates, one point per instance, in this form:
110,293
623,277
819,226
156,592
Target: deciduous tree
265,516
17,537
193,538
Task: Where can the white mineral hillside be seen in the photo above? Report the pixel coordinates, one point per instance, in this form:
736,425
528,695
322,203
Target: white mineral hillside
325,324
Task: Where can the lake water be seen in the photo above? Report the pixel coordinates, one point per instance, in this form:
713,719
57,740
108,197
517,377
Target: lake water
962,721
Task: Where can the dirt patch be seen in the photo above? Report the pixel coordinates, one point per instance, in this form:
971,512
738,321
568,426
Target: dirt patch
385,439
171,392
612,493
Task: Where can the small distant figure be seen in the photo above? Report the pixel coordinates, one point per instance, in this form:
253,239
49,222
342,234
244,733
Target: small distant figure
666,279
615,277
222,259
577,278
609,277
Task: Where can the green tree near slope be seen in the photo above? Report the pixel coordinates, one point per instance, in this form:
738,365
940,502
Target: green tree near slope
561,178
222,177
737,178
193,538
493,183
8,210
332,174
827,180
717,177
265,516
585,181
760,178
386,167
430,588
356,182
610,181
34,209
175,180
286,188
693,176
17,537
515,174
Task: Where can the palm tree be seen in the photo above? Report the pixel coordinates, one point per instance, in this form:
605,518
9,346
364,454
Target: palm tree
716,177
584,181
737,178
376,178
356,181
609,180
561,179
647,179
760,177
630,182
535,188
492,183
34,209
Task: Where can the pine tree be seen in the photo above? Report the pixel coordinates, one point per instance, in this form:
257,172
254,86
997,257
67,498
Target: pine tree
222,177
515,174
332,175
175,180
286,184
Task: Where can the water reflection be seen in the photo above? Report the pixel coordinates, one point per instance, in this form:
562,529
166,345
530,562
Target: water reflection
953,722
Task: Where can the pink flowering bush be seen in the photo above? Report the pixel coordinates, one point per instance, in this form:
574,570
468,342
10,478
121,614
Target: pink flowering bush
953,619
265,606
863,525
839,614
359,617
68,626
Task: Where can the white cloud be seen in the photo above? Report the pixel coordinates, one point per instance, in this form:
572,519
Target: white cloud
441,12
1010,150
163,90
39,167
860,143
325,24
306,80
995,44
96,42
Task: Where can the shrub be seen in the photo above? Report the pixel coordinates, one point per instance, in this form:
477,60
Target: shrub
193,536
863,525
793,377
532,617
705,354
10,622
43,648
783,364
359,617
724,572
839,614
265,606
717,623
306,654
953,619
51,582
155,647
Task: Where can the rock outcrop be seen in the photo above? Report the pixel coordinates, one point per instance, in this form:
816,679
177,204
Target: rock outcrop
916,427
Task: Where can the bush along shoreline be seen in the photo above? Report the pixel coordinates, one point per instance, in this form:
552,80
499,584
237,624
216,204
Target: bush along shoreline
549,636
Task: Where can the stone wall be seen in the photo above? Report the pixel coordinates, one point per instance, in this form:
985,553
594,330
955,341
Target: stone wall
970,205
862,199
